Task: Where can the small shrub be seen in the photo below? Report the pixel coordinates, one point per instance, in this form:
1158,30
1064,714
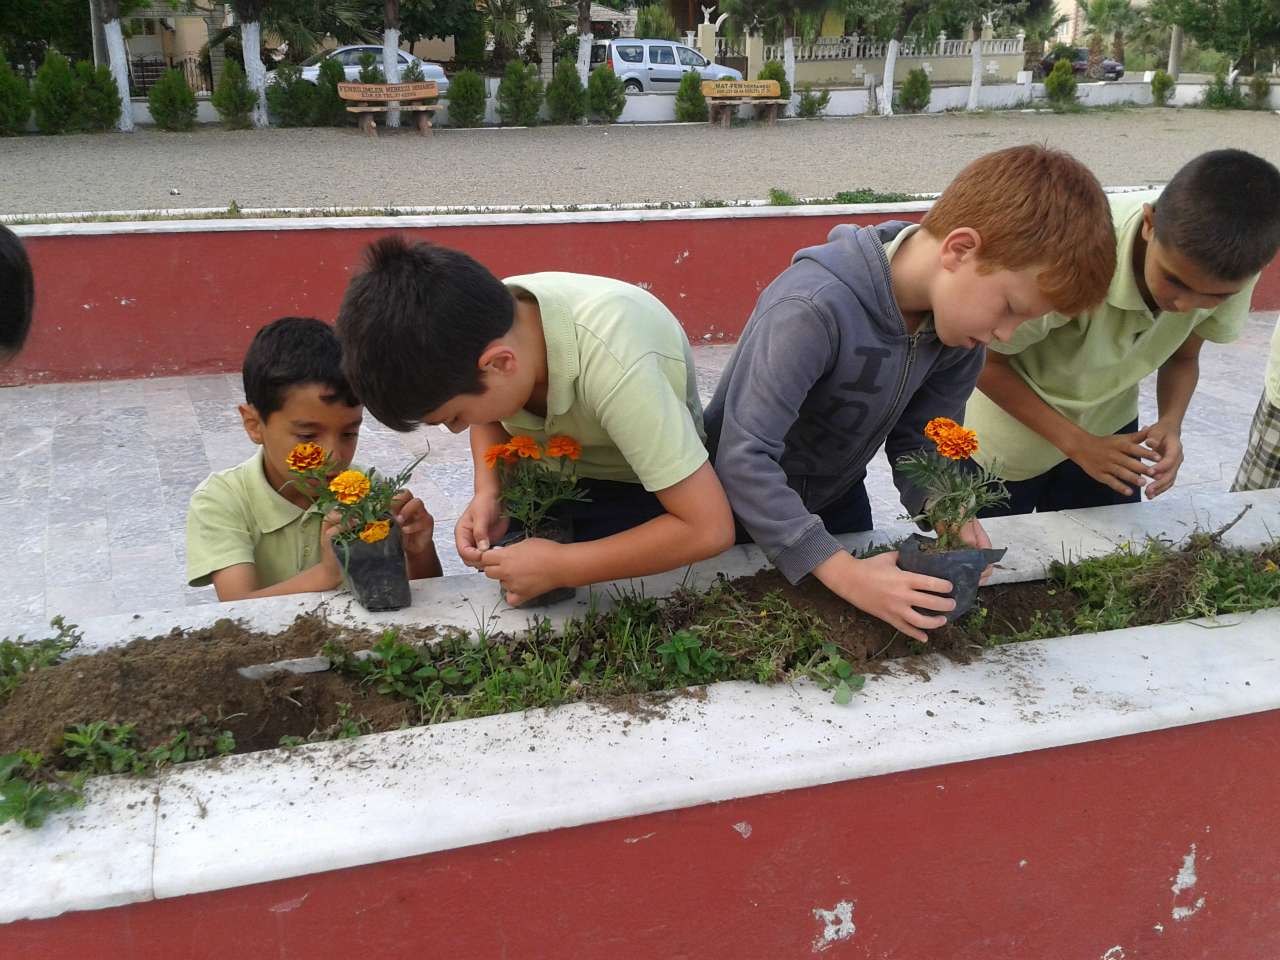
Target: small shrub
812,106
774,70
1062,51
330,108
1060,85
413,73
15,102
1260,90
291,98
606,94
56,96
100,99
233,99
1220,95
370,72
173,105
466,99
520,95
655,22
691,105
1161,87
566,96
916,91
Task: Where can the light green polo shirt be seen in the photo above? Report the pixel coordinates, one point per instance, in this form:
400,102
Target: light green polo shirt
1273,370
621,380
1088,368
236,517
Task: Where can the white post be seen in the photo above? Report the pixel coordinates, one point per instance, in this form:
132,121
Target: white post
251,42
391,69
584,57
789,67
975,81
119,71
1175,53
890,61
755,55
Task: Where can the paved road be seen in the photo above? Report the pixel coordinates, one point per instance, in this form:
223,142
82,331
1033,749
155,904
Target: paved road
326,167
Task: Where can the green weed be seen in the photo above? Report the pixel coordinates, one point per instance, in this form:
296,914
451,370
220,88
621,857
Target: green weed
29,791
20,657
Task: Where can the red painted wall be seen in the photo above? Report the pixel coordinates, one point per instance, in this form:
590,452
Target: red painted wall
1064,853
164,304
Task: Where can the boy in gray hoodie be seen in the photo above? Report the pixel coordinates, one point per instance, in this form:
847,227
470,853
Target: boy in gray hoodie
865,339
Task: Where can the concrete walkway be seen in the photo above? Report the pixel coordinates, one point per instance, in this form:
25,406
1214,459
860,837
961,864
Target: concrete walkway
100,474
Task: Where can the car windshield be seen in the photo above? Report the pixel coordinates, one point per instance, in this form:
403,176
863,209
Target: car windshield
315,58
690,58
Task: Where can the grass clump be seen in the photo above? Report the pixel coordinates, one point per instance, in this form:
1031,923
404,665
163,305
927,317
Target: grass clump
21,657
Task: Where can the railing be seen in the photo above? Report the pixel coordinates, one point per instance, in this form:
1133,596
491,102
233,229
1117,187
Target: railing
730,48
192,68
145,71
865,48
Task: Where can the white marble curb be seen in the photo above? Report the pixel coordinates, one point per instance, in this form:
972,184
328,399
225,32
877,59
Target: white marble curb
275,814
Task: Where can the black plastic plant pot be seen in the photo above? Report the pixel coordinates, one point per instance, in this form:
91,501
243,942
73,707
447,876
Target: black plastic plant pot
961,568
376,572
559,530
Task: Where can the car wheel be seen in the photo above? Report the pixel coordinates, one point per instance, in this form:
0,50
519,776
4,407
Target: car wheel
632,87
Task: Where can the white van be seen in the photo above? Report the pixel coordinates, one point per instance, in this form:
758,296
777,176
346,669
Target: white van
655,66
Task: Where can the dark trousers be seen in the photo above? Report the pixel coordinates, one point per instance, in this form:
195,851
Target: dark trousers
614,506
1065,487
850,514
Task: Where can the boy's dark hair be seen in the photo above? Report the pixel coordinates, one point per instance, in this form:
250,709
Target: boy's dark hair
17,294
1222,212
291,352
413,325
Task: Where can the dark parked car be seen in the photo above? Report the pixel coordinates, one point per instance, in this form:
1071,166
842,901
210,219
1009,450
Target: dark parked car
1080,63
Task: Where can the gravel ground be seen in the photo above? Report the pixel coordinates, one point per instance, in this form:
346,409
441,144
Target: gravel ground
598,164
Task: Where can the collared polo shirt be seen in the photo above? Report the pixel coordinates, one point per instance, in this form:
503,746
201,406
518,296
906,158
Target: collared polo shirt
1273,370
620,380
1088,367
236,517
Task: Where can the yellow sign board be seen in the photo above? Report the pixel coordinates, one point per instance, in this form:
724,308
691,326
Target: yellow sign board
740,88
388,91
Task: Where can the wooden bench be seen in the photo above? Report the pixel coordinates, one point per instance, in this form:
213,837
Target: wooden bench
723,95
372,98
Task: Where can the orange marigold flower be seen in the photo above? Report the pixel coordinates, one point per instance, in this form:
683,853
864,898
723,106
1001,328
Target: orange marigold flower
940,427
306,456
958,444
563,447
351,486
525,447
375,531
499,451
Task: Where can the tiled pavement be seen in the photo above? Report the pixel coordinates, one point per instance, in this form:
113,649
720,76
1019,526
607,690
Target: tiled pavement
99,476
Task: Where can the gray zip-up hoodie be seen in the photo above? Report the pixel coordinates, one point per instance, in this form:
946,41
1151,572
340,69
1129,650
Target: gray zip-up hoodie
824,374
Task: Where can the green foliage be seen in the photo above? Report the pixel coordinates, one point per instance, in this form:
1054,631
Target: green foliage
531,487
656,23
233,99
691,105
102,748
1161,87
291,98
774,70
413,73
686,660
313,469
29,28
955,492
173,105
100,99
15,103
57,95
1260,90
782,198
520,95
347,727
370,72
330,108
1220,95
469,45
29,792
466,99
20,657
811,105
566,96
1060,85
867,195
606,94
1244,30
916,91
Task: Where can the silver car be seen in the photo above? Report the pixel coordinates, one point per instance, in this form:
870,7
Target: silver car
349,57
655,66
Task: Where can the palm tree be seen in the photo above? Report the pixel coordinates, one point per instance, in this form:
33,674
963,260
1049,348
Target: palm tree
502,20
1104,16
1041,28
548,18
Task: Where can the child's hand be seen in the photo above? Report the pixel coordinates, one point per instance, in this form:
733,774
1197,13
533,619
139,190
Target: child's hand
1116,460
973,533
525,569
877,586
416,524
1167,443
329,570
479,526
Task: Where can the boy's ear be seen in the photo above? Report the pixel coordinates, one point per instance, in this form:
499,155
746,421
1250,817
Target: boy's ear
1148,222
960,246
254,425
498,358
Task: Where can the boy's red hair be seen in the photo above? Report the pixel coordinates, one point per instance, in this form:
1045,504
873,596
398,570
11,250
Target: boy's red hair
1035,207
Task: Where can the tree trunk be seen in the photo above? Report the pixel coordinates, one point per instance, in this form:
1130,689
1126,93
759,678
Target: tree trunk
1034,54
1117,47
1094,70
789,68
391,68
546,53
120,72
584,40
975,79
251,41
886,95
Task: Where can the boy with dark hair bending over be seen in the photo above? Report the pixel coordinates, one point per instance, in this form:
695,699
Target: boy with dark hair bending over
250,531
1057,405
431,336
865,339
17,295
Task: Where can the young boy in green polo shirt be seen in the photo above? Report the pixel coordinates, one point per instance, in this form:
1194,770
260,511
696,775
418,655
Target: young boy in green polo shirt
250,531
1057,405
431,336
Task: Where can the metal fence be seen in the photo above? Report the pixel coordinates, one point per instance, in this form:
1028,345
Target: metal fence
145,71
866,48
